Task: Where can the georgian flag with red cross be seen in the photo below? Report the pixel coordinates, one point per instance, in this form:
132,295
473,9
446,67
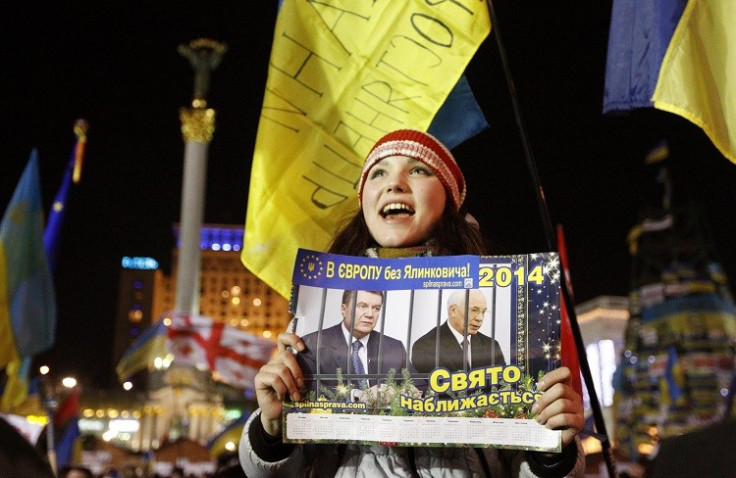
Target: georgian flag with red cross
232,355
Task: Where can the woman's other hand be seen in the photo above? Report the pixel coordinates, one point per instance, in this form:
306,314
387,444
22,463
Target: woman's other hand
278,380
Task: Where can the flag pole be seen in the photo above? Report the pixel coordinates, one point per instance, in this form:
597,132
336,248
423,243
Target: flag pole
550,235
51,404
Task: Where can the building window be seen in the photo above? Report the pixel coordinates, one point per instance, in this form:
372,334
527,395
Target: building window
135,315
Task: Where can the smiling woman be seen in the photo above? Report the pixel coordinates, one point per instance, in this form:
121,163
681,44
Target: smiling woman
411,191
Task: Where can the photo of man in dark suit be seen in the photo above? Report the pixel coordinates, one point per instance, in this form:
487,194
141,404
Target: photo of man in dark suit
353,346
443,345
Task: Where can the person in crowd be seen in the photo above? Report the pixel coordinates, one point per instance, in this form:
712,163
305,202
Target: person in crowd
18,458
70,471
352,345
410,194
447,349
177,472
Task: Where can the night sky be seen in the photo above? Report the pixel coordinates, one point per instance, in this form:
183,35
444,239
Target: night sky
116,64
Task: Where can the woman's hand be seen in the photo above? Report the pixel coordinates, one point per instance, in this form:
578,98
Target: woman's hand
280,378
559,407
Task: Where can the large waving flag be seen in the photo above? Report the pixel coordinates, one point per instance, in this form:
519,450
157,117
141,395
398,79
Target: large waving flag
339,78
637,41
27,298
232,355
677,56
698,76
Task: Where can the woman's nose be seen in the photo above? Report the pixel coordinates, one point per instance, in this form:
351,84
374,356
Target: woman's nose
397,184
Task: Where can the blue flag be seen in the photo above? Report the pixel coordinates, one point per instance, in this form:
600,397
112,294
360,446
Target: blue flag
460,117
65,446
56,218
637,41
58,208
27,297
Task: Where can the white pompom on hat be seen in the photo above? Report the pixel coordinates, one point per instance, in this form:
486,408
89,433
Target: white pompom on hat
425,148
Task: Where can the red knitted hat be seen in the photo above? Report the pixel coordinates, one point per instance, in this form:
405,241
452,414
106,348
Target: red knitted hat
425,148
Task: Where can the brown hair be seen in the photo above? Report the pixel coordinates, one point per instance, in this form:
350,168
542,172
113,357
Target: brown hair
452,236
348,296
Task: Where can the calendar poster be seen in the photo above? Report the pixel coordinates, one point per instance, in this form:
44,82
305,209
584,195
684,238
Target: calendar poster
424,351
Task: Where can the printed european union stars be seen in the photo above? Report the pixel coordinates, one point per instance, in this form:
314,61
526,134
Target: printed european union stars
311,266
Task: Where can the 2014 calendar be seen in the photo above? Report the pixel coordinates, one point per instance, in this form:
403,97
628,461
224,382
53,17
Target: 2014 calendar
424,350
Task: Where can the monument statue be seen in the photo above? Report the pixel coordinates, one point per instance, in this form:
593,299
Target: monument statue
205,56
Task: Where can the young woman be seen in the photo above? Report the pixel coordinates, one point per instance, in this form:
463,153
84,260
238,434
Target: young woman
411,190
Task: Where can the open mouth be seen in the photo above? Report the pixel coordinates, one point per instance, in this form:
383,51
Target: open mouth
396,209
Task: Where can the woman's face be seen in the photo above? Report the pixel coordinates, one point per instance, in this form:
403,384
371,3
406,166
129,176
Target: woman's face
402,201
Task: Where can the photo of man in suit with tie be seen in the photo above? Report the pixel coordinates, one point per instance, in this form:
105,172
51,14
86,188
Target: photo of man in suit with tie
353,346
443,345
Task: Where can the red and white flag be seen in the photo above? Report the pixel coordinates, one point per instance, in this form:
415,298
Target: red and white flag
232,355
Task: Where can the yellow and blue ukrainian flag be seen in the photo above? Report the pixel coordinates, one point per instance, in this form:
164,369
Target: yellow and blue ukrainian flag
338,80
677,56
27,297
143,351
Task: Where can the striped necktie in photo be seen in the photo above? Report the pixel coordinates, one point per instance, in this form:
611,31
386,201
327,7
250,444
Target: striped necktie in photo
357,363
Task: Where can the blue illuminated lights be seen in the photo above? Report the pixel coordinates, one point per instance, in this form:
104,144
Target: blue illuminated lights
139,263
217,238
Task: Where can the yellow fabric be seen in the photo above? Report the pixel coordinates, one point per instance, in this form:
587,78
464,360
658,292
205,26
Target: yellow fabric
232,434
340,77
16,388
8,351
30,406
697,79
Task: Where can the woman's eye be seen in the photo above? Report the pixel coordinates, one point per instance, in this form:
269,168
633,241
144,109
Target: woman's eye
377,173
421,171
